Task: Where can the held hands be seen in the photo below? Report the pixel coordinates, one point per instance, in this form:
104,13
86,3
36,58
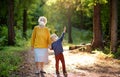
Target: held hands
64,29
32,48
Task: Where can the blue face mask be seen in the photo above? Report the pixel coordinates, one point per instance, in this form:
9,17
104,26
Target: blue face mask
41,23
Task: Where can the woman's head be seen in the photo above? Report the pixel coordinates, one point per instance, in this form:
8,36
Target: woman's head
53,37
42,21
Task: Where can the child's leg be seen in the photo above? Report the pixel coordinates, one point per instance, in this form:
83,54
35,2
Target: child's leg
57,63
63,63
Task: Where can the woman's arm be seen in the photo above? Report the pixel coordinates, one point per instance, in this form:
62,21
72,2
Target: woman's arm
33,39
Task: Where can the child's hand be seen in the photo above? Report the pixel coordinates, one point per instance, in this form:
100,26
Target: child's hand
50,47
32,48
64,29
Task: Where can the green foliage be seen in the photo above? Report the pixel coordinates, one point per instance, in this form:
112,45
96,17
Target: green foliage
117,54
20,41
93,2
80,36
10,60
3,8
102,55
4,36
107,53
105,20
106,50
83,36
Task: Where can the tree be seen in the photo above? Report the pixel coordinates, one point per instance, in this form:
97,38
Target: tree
60,11
11,33
69,27
97,28
26,4
69,13
24,22
25,9
113,25
3,12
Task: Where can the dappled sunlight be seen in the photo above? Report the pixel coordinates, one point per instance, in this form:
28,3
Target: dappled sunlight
87,60
84,63
81,59
50,2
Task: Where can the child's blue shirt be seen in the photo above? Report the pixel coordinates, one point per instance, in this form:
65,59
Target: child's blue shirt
57,45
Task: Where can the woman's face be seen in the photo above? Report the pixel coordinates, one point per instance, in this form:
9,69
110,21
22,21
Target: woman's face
42,22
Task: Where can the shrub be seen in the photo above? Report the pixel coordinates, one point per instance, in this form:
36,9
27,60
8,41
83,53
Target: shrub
4,36
10,60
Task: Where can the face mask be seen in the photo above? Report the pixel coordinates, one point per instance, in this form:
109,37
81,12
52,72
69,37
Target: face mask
41,23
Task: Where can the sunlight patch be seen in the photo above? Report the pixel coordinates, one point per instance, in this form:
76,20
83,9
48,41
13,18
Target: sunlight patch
84,60
87,60
50,2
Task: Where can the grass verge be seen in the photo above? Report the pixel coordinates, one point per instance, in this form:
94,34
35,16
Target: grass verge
10,60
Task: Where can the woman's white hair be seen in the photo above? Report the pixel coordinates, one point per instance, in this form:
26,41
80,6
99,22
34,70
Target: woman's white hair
42,18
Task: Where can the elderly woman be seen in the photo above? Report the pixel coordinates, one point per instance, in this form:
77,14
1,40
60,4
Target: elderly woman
39,44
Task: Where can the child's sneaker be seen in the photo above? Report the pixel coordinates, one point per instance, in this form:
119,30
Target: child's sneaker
58,75
65,74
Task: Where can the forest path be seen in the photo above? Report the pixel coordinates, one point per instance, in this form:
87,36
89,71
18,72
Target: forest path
80,64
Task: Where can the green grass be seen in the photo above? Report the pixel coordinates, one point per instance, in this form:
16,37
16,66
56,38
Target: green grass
10,60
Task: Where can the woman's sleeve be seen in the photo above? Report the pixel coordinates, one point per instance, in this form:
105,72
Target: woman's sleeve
33,37
49,41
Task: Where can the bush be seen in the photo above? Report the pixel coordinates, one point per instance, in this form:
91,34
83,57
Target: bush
4,36
20,41
80,36
10,60
117,54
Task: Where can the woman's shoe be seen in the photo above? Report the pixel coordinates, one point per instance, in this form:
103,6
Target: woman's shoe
37,72
43,72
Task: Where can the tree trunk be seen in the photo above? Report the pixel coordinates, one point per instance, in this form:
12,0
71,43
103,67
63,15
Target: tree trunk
81,17
24,23
69,13
97,28
113,24
69,30
11,33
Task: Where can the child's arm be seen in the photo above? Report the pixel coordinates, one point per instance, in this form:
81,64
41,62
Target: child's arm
50,47
62,36
64,29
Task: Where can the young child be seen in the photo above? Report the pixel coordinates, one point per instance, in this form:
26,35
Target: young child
58,51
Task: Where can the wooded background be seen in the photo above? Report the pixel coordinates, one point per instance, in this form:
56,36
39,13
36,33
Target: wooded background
100,17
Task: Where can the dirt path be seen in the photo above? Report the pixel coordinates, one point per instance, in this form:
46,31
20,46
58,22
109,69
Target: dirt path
78,65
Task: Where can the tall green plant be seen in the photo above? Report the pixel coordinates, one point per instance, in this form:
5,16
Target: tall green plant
4,36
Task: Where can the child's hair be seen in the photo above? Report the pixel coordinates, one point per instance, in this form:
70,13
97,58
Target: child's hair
53,35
